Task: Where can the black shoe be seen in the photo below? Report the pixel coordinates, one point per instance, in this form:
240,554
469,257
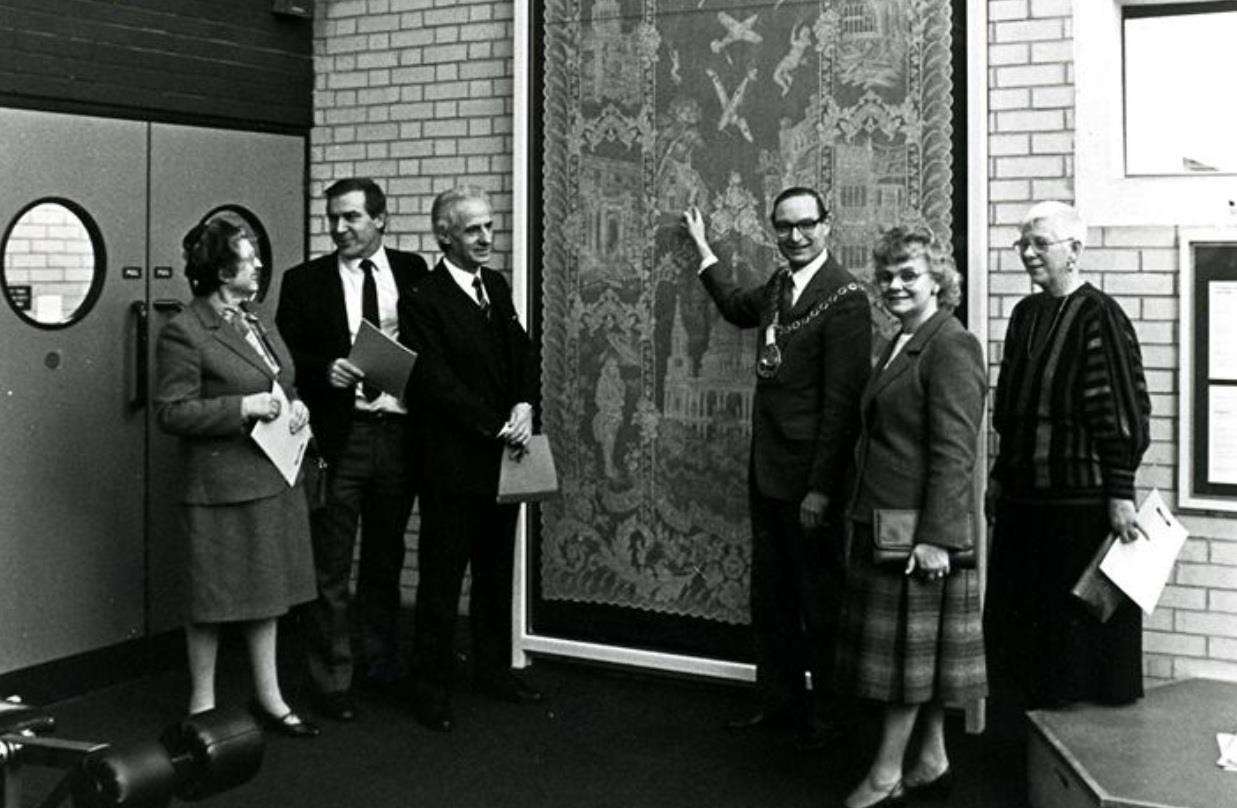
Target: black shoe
893,798
433,715
508,688
765,719
937,788
337,706
289,724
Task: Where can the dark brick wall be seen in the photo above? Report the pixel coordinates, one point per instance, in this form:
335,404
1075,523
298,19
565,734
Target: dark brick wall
213,62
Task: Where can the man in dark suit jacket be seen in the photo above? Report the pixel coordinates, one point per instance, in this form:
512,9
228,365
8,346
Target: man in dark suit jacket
815,336
363,434
474,383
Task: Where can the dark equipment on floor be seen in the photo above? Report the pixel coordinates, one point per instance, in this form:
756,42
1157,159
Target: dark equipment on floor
202,755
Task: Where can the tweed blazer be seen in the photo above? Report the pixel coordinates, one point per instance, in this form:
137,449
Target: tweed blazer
313,319
921,418
205,367
805,419
470,372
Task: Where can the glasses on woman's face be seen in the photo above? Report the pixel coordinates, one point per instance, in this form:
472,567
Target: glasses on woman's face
1037,243
805,227
884,277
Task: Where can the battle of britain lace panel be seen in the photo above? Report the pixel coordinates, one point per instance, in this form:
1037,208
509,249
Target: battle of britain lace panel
652,106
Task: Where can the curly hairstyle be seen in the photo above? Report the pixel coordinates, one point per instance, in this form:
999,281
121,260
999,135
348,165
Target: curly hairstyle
1068,221
211,251
896,244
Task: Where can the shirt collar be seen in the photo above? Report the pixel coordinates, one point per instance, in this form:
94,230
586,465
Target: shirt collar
803,276
228,310
462,277
379,259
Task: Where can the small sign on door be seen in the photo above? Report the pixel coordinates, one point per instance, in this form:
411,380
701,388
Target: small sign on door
20,296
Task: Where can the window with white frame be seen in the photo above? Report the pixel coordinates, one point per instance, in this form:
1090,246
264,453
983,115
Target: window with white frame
1179,118
1154,140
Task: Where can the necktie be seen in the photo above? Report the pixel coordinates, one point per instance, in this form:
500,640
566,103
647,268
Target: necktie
786,297
369,312
479,291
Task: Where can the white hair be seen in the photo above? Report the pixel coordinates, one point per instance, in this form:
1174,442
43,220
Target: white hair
1068,221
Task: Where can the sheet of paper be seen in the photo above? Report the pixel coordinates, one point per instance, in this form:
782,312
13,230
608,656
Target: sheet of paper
1141,568
386,363
1222,331
286,450
1228,751
1221,433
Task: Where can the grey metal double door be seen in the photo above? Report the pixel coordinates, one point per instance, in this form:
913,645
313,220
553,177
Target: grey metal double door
89,536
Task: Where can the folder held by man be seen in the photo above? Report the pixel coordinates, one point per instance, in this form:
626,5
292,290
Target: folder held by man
530,477
385,362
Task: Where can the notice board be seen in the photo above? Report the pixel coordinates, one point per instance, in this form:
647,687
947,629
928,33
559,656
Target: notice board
1207,439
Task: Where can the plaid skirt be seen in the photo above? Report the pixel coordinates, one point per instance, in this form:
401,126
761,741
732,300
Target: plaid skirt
905,640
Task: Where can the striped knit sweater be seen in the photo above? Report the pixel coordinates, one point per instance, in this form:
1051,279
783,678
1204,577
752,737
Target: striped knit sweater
1071,406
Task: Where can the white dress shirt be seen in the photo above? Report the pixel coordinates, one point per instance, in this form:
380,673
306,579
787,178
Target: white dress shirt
799,279
353,277
463,279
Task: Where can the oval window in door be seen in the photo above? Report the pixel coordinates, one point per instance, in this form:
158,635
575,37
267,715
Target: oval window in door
54,263
246,220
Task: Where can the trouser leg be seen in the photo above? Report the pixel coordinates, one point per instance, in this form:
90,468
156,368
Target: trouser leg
816,558
776,616
442,556
489,606
385,507
333,531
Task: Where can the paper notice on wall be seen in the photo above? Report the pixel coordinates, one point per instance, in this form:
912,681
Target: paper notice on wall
1222,331
1228,751
1221,433
49,308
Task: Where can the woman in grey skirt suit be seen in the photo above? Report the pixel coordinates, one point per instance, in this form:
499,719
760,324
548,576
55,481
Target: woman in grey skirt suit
249,554
910,633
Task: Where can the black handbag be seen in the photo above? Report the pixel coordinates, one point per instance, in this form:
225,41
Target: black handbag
893,538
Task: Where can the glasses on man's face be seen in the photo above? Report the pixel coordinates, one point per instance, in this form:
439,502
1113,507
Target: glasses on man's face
1037,243
884,277
805,227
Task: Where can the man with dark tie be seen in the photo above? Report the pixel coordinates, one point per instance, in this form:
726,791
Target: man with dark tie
474,383
363,434
814,334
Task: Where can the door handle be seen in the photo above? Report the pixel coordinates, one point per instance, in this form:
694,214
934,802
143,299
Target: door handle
167,305
140,388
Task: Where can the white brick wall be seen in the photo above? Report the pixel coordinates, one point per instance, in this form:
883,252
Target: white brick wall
1031,98
418,95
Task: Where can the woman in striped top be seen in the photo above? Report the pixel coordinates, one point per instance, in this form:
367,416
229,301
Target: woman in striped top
1072,413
